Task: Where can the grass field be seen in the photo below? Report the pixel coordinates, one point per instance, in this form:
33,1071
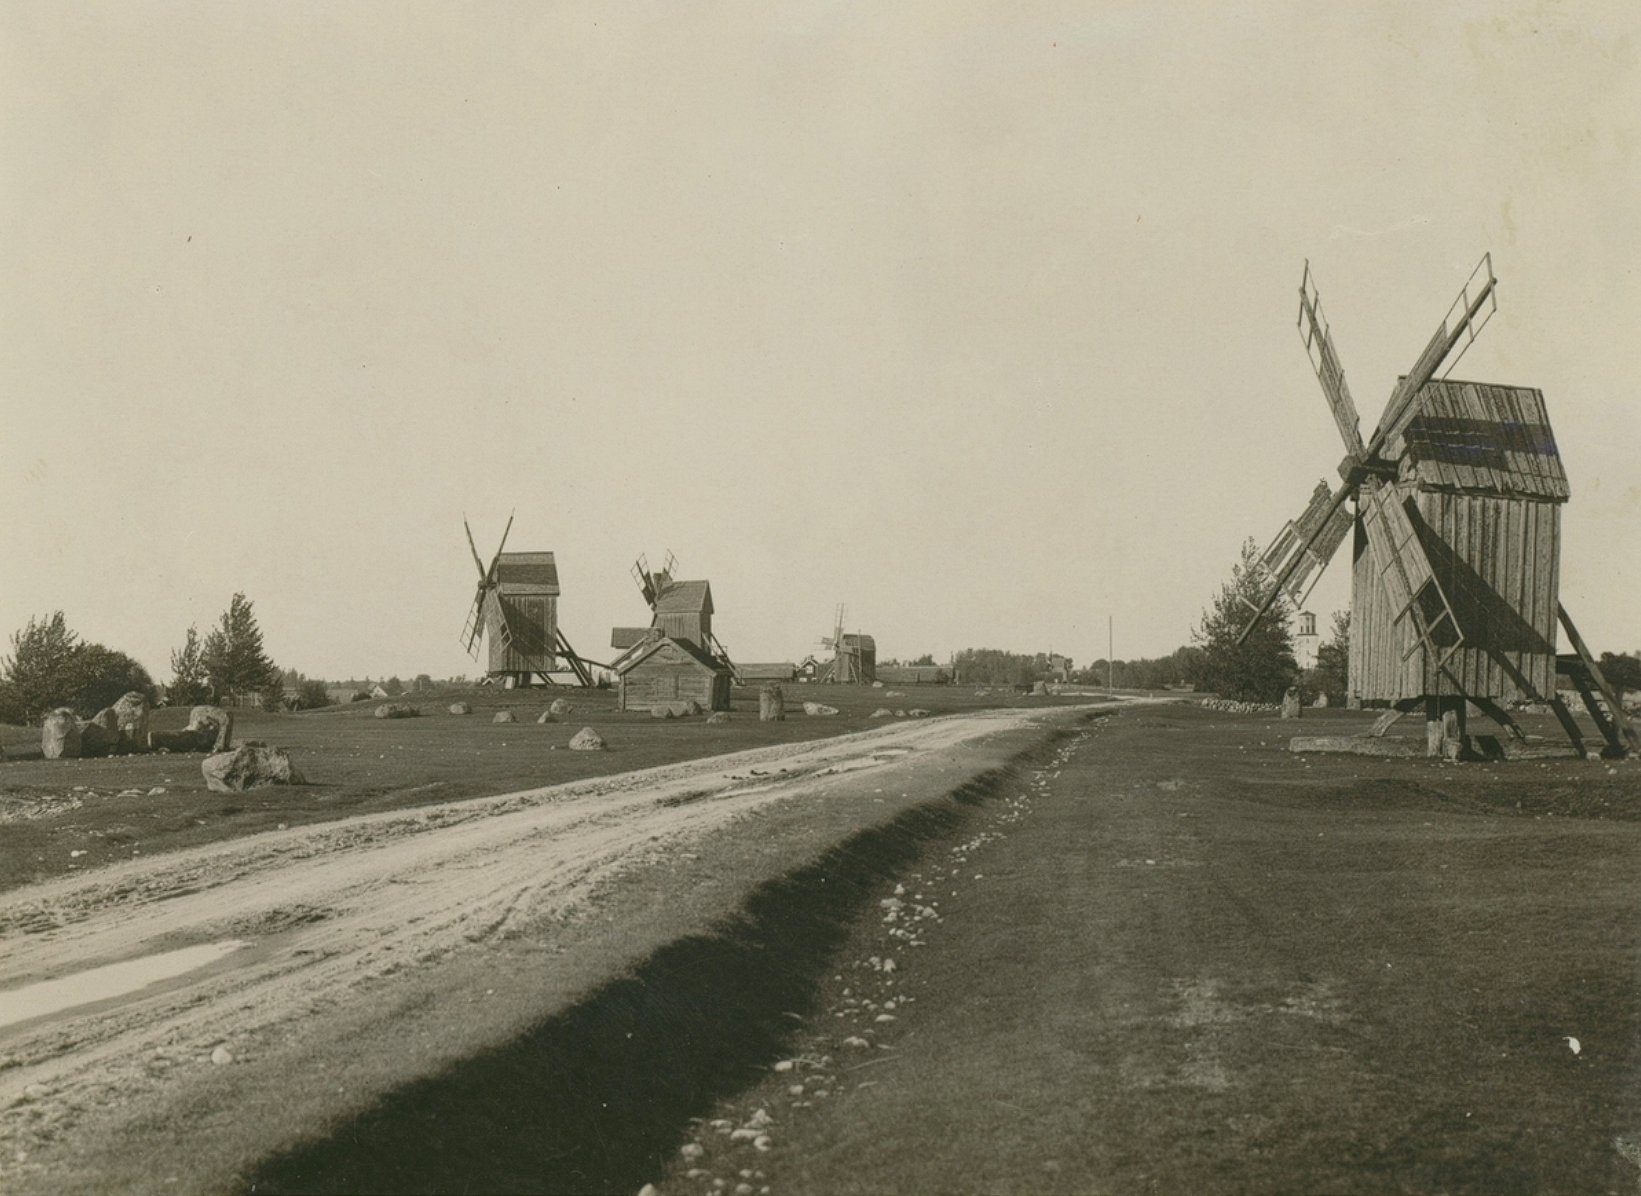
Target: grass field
66,815
1185,961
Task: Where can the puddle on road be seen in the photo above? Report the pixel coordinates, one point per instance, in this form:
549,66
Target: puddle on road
112,980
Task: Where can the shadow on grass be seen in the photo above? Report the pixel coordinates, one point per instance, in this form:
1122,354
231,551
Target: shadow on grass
598,1098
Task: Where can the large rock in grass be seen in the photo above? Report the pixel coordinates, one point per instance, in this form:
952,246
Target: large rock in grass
100,734
547,716
249,766
917,712
561,707
218,720
673,710
771,704
882,712
460,708
818,709
504,716
60,735
719,716
396,710
587,740
131,714
1291,704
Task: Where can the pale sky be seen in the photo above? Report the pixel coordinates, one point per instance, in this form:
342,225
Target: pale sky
976,317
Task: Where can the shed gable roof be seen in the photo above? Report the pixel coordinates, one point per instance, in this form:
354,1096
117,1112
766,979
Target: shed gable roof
1474,437
644,651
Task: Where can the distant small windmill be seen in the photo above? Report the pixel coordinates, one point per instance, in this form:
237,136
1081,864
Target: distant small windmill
515,608
854,656
1458,495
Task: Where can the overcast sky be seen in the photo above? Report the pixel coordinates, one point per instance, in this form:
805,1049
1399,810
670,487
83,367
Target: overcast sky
977,317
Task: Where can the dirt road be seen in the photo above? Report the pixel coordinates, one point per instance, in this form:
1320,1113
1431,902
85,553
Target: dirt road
306,916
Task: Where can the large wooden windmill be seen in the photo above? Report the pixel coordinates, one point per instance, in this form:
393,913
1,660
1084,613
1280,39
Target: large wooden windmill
1455,585
515,609
854,656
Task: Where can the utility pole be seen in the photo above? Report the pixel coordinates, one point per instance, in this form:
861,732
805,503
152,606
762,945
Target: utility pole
1110,660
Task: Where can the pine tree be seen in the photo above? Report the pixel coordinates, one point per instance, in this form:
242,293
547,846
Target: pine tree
188,684
232,655
1262,667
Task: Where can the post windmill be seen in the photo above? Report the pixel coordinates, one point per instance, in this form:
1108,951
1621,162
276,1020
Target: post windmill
679,609
515,609
854,656
1457,496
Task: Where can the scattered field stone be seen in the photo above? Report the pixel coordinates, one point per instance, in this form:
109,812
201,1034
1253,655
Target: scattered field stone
882,712
99,733
719,716
398,710
461,708
131,715
1230,707
249,766
587,740
771,704
560,706
60,735
504,716
222,1055
917,712
673,709
817,709
692,707
547,716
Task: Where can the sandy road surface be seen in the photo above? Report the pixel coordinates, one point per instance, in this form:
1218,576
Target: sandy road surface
324,909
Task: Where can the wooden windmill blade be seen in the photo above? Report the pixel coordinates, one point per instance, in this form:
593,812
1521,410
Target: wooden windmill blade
1318,339
1302,549
490,573
474,549
1464,320
1410,581
474,627
1325,519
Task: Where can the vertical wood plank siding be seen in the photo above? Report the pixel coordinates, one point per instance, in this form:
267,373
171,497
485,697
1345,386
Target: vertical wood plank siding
1496,559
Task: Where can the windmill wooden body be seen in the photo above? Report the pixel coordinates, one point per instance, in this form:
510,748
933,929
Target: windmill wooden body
854,655
1455,541
515,611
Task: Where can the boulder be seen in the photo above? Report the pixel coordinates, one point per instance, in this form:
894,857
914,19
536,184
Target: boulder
249,766
818,709
692,707
882,712
100,733
396,710
561,707
877,685
504,716
718,716
196,739
1292,707
917,712
1321,702
460,708
131,715
587,740
60,735
547,716
900,714
379,693
1039,689
218,720
894,693
673,710
771,704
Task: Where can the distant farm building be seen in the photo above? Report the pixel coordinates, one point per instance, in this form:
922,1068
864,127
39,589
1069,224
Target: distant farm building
662,669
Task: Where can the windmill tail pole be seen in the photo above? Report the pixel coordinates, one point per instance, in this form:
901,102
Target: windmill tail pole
1337,501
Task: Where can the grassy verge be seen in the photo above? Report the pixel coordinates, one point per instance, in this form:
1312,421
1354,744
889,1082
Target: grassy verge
1193,963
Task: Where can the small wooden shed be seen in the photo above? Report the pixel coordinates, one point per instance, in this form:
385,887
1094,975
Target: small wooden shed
526,584
1482,484
664,669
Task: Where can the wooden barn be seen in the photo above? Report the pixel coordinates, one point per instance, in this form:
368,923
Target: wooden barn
663,669
1482,484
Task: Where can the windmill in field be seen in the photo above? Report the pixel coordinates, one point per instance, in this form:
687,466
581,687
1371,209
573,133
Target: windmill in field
1456,546
679,609
854,656
515,609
